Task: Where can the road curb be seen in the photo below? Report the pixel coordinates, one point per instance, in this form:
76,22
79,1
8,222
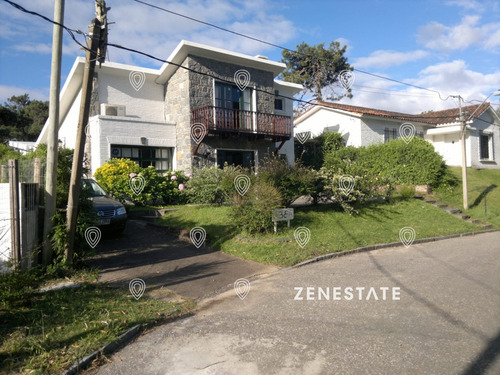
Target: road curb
110,347
383,246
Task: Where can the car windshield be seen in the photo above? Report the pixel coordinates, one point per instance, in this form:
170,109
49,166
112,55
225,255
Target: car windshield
94,189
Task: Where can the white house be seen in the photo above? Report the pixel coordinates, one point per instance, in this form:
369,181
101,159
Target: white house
149,115
362,126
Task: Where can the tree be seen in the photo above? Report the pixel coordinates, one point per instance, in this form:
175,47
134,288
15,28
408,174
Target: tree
22,118
316,67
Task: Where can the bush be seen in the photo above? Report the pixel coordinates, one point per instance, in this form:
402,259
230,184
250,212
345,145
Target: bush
407,192
291,182
253,211
415,163
312,152
347,190
213,185
115,175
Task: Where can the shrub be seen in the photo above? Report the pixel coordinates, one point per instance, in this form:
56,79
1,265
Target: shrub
213,185
311,153
415,163
346,190
253,211
114,176
407,192
291,182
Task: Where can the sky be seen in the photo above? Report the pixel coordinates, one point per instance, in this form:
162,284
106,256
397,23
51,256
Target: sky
448,46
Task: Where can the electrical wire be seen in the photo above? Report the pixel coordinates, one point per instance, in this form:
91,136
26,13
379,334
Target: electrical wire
69,31
278,46
309,102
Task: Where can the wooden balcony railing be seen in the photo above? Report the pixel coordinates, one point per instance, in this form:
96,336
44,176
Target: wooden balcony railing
219,120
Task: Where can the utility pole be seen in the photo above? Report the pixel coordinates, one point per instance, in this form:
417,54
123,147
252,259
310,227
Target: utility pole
95,51
53,130
463,132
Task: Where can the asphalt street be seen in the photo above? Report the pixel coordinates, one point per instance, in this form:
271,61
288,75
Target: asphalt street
445,321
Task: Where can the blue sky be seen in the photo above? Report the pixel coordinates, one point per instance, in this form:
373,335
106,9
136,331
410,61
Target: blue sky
450,46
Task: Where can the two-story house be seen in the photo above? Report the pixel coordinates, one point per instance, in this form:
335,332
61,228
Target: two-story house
206,106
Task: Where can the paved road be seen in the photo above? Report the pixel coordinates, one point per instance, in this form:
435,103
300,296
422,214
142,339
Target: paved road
447,320
162,260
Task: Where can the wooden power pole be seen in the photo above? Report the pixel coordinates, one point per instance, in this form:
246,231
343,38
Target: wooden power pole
96,50
53,130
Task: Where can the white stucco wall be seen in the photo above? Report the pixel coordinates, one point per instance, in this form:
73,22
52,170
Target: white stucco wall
449,146
145,103
108,130
372,130
344,123
67,131
485,124
288,147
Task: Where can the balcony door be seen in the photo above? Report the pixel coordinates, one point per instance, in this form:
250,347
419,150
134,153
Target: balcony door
233,107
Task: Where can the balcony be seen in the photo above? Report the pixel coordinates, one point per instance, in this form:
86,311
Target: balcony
235,121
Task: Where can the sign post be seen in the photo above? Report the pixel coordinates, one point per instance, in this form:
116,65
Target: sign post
282,214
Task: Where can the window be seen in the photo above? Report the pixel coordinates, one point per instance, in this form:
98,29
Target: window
230,102
484,146
279,105
235,157
390,134
160,158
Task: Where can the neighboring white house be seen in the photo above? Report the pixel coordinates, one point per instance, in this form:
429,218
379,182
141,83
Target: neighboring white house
148,115
22,146
362,126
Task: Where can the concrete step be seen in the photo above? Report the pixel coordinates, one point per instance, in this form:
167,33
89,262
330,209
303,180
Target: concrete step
453,211
431,201
442,205
465,217
476,221
487,226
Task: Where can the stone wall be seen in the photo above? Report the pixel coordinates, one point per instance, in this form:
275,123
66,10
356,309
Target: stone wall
201,90
177,110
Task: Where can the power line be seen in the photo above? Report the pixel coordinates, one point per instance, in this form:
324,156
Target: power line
70,31
278,46
310,102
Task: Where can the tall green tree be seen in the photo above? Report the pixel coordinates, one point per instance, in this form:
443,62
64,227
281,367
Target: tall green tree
22,118
316,67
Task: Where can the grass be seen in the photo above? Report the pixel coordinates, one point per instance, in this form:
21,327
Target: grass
44,333
483,188
331,229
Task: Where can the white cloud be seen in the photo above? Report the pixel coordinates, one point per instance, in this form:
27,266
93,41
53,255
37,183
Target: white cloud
35,94
385,59
448,78
42,48
468,33
467,4
151,30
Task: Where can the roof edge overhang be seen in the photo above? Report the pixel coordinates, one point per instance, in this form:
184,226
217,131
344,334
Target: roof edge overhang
186,48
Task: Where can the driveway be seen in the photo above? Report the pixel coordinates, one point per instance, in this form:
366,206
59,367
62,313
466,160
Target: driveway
164,261
447,320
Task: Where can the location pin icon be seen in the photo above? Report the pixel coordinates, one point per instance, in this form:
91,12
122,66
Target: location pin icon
407,132
407,236
137,184
302,235
137,287
242,288
303,137
198,236
242,79
346,78
198,132
242,184
137,79
92,236
346,184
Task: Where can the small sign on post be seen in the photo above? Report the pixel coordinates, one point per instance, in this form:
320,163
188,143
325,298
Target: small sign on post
282,214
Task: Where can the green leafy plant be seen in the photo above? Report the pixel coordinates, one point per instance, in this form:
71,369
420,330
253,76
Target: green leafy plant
253,211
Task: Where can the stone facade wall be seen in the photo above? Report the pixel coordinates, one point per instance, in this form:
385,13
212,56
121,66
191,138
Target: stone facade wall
177,110
201,93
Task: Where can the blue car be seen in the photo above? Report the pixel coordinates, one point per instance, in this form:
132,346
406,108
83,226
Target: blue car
111,214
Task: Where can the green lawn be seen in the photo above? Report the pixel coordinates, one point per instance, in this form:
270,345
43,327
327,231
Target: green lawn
331,229
44,333
483,187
